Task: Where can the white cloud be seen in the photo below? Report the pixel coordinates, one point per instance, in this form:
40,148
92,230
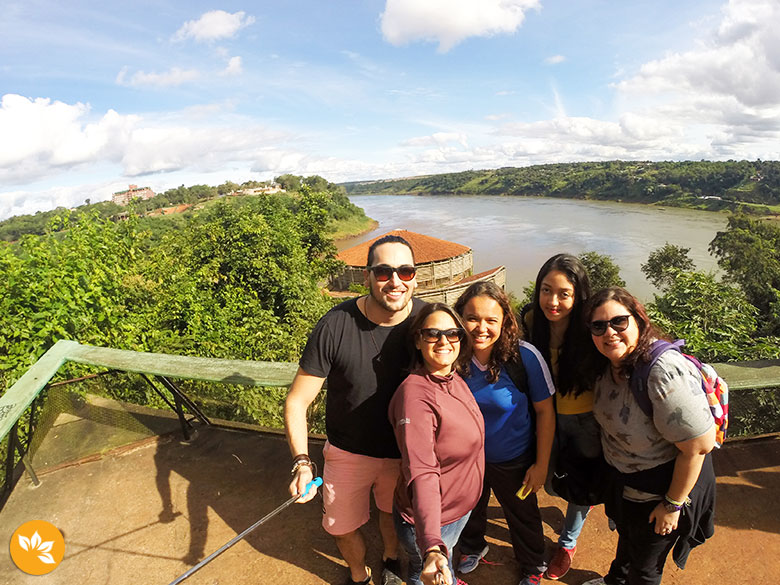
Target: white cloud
213,25
740,60
717,101
440,139
22,202
496,117
234,67
44,138
41,137
555,59
449,22
721,98
172,78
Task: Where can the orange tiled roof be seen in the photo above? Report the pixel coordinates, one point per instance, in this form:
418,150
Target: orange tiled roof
426,248
480,276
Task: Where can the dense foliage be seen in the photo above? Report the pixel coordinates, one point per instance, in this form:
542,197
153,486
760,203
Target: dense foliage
746,185
602,270
13,228
662,264
241,279
749,251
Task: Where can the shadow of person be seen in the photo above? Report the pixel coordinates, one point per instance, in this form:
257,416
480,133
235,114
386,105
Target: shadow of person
224,477
748,475
553,517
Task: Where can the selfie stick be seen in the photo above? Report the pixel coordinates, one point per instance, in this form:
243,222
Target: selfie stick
317,481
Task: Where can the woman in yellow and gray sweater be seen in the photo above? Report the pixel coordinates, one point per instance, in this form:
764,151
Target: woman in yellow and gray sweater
553,323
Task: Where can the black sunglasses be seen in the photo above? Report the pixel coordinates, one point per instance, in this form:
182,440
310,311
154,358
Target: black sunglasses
384,272
619,323
432,335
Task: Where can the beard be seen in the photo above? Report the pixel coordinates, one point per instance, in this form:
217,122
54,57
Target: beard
391,305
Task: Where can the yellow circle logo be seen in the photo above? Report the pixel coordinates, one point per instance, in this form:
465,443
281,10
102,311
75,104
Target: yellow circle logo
37,547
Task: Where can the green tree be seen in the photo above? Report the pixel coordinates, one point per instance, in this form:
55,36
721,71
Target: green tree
227,187
289,182
715,319
602,270
68,285
662,262
749,251
241,281
316,183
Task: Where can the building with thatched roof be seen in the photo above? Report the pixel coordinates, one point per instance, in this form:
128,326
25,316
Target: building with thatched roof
444,269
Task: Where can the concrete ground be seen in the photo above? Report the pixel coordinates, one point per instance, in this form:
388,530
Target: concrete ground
145,512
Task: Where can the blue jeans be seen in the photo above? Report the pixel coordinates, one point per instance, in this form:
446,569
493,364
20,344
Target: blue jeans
572,525
579,433
406,536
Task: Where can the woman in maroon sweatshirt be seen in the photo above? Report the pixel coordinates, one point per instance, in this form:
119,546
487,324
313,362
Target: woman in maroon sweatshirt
441,435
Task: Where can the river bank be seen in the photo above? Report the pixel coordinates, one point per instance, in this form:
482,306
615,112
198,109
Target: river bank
751,187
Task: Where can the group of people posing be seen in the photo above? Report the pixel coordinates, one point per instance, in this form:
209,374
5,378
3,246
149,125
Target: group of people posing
430,407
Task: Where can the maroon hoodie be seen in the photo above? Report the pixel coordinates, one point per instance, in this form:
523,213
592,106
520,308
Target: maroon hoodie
441,435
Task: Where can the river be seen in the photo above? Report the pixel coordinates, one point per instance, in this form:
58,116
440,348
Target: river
522,232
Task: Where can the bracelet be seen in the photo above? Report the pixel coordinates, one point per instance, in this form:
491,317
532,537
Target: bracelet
301,461
677,504
435,550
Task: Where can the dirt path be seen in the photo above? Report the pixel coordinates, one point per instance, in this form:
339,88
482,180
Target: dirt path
145,514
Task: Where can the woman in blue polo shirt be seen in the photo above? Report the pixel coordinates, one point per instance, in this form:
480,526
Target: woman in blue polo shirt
506,374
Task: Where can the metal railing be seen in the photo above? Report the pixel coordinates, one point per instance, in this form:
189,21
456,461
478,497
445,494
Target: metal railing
21,398
744,378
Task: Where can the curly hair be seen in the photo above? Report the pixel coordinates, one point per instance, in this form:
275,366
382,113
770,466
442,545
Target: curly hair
506,346
647,331
464,355
576,345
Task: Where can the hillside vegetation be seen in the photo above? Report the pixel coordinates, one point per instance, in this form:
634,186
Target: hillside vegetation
344,217
239,278
752,187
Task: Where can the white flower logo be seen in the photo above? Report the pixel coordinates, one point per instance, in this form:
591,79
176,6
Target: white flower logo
36,544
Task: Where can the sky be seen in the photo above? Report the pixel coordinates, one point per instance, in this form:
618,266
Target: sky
98,95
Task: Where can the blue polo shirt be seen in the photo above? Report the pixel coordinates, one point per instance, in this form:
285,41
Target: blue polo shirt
508,429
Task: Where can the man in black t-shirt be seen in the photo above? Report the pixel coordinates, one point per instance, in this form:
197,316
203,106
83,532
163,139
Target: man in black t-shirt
360,347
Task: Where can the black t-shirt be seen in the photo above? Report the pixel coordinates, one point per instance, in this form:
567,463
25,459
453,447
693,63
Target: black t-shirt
364,363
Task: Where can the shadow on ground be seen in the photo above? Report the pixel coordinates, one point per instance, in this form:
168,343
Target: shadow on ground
146,512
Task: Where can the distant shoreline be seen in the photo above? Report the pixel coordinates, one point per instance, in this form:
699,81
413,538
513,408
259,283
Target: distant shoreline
751,187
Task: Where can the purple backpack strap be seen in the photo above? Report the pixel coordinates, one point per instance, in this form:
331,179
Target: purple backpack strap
638,381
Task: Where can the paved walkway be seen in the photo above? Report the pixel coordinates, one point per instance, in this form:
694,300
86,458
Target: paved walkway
144,513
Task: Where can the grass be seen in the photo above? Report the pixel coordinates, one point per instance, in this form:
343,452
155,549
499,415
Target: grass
352,227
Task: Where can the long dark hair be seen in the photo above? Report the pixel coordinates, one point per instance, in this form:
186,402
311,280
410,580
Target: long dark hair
505,347
647,331
464,355
577,345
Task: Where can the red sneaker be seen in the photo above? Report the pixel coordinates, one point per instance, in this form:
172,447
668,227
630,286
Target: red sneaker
560,563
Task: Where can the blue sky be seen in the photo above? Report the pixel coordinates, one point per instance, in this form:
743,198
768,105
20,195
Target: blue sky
97,95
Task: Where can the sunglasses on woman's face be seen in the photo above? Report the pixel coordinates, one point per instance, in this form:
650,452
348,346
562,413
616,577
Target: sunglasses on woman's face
619,323
384,272
431,335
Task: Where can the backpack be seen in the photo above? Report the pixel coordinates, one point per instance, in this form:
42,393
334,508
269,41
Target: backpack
516,371
714,387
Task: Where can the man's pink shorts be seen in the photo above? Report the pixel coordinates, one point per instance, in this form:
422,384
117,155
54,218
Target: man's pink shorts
347,482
